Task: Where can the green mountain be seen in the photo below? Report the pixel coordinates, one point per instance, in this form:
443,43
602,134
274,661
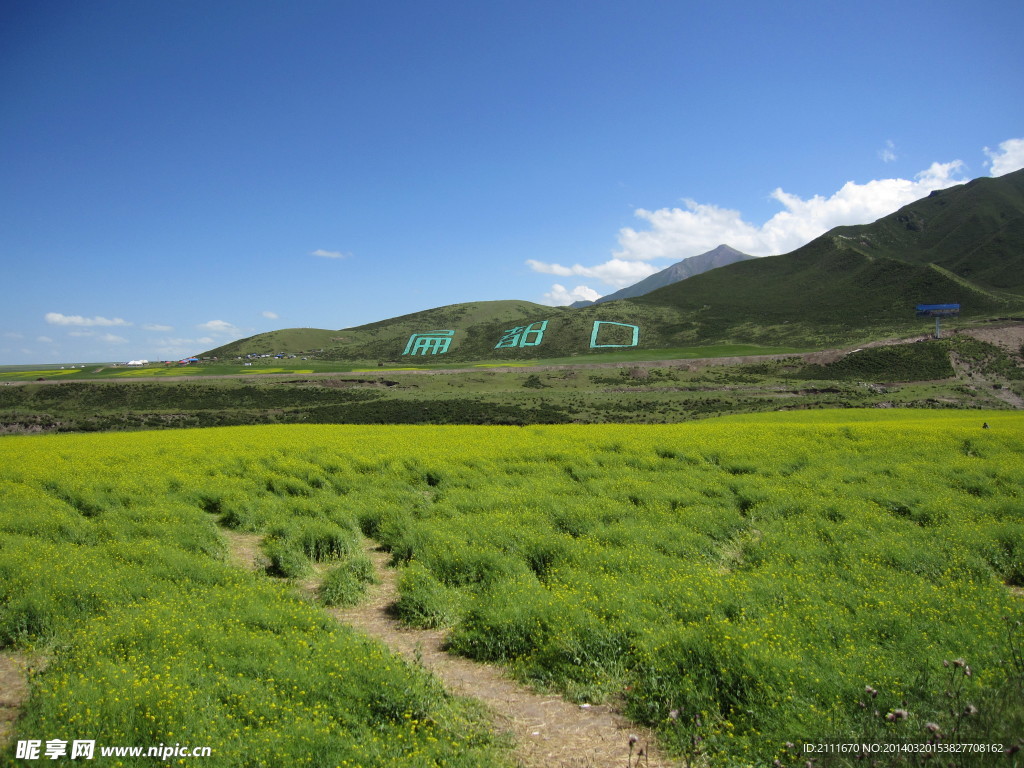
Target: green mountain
961,245
974,230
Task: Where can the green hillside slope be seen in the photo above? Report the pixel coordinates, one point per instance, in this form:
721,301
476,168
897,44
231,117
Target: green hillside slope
386,339
824,289
293,341
975,230
962,245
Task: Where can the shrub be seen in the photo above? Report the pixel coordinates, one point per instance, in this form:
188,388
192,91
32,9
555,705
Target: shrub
510,628
923,361
317,538
286,559
423,600
345,583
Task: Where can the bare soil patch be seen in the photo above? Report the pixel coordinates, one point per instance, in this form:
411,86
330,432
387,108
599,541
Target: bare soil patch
979,383
1009,336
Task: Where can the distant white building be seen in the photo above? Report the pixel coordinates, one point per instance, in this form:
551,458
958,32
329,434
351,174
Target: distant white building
137,362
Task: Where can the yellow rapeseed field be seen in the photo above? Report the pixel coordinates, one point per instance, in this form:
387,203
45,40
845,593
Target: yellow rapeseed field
738,583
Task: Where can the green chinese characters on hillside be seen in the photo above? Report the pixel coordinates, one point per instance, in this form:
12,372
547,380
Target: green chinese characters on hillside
523,336
605,334
596,333
429,343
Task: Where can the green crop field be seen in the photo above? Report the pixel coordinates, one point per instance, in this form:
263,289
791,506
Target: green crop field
736,584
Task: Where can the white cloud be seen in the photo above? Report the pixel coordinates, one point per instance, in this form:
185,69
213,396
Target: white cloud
559,295
888,153
156,327
616,272
44,339
111,338
56,318
13,335
269,315
1009,157
677,234
330,254
222,327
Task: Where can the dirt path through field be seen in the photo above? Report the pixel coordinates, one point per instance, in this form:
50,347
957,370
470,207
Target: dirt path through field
14,690
243,549
548,730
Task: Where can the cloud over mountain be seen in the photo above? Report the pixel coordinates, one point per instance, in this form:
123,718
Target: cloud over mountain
220,327
617,272
1009,157
678,233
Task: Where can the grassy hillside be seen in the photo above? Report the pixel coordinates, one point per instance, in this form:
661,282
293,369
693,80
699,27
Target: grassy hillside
825,289
975,230
386,339
962,245
293,341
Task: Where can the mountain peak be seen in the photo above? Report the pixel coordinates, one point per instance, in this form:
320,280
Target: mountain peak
721,256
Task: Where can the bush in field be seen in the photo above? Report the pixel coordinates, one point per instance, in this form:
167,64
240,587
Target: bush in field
286,559
423,600
322,539
302,538
923,361
345,583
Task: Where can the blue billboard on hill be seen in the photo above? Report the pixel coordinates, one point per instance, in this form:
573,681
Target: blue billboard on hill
937,310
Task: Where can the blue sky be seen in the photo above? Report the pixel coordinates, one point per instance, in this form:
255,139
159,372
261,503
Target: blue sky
177,174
